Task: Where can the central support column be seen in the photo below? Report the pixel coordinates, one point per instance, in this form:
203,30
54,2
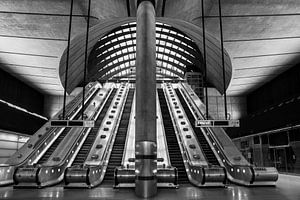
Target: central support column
145,117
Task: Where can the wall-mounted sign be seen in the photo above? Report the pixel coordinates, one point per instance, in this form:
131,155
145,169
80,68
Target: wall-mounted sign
217,123
72,123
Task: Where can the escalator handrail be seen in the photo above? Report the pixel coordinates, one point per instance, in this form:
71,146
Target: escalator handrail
87,130
213,136
112,138
88,96
163,130
183,148
188,101
46,136
53,173
186,159
94,117
132,117
225,159
89,156
78,99
198,114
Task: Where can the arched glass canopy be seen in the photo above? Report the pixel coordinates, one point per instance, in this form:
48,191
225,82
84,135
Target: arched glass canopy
113,57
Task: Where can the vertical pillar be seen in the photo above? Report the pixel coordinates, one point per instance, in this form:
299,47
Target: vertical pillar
145,124
261,152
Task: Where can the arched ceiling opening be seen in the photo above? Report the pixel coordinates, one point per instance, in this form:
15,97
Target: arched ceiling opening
114,54
111,50
262,37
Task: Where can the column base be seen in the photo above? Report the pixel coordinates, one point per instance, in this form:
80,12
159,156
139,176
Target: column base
145,188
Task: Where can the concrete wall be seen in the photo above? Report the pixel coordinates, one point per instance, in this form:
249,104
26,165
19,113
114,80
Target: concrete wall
236,105
187,10
10,142
53,104
18,93
104,9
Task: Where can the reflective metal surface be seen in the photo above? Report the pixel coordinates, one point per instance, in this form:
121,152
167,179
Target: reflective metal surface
162,148
42,139
185,132
145,168
197,168
52,171
76,175
93,169
237,167
287,188
125,175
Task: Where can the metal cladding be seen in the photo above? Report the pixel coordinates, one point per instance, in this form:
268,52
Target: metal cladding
76,175
145,140
27,175
152,1
145,169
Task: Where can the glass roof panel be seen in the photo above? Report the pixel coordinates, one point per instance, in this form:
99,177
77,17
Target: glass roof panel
124,43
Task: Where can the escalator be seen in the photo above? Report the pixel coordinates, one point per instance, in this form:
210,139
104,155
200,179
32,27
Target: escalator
173,146
53,147
116,156
208,153
88,143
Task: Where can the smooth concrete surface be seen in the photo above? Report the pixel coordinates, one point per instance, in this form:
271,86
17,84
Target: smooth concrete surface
287,189
145,126
214,66
33,35
262,37
145,101
265,34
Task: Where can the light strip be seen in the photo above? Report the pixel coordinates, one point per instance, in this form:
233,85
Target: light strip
268,132
23,110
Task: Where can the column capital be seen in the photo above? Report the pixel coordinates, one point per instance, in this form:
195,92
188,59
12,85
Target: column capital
140,1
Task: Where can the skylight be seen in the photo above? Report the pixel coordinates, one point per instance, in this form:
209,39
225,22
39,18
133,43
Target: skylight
118,48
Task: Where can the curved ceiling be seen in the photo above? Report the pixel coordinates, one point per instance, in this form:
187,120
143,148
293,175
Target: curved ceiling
175,50
114,54
262,37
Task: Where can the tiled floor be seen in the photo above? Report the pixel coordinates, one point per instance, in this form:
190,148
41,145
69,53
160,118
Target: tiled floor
288,188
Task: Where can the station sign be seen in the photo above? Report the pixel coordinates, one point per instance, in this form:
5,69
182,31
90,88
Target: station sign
217,123
72,123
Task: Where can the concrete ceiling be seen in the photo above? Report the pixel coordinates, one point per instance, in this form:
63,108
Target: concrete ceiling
33,36
262,37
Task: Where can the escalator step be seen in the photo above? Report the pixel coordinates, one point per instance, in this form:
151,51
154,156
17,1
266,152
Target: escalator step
173,147
208,153
85,148
53,147
119,144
